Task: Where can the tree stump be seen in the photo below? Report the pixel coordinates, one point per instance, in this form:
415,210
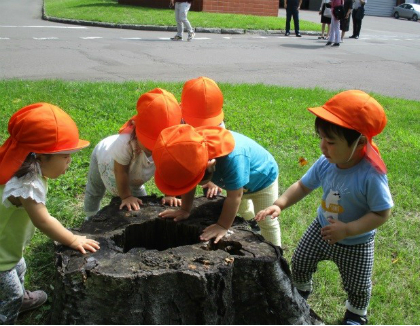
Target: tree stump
155,271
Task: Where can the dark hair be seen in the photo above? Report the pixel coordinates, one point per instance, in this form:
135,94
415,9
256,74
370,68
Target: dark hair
29,166
331,130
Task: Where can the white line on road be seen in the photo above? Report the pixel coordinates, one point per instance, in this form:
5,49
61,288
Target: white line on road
45,38
68,27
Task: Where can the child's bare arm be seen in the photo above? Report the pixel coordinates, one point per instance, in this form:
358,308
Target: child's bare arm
183,213
49,225
291,196
338,230
229,210
123,185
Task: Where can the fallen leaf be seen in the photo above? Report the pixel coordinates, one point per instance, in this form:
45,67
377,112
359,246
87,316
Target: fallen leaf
303,161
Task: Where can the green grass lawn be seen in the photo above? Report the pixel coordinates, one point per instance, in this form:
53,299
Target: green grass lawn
111,12
280,123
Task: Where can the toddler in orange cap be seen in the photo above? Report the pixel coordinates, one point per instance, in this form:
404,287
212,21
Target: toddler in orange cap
202,105
42,138
355,201
122,163
187,156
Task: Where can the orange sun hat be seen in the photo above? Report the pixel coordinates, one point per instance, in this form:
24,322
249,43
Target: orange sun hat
39,128
181,154
357,110
156,110
202,102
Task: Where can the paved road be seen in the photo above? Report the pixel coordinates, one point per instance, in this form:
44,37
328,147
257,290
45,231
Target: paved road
385,60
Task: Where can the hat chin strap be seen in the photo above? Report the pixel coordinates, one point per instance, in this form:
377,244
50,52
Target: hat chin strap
354,148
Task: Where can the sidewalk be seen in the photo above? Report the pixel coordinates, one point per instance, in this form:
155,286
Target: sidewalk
308,15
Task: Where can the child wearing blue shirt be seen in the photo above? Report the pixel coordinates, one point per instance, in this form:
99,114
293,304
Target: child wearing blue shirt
186,156
355,201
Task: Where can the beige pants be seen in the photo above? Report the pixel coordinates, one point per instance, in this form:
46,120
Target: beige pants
254,202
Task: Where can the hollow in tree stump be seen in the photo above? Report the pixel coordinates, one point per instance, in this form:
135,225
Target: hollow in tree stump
155,271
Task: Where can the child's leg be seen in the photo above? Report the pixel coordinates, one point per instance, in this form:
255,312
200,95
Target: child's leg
11,292
310,250
246,209
270,228
355,264
95,188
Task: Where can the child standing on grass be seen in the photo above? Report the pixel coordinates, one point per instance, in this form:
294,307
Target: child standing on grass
187,156
355,201
42,137
122,163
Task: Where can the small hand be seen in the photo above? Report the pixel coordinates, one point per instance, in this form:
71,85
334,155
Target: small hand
177,215
334,232
132,203
272,210
213,231
80,242
212,189
171,201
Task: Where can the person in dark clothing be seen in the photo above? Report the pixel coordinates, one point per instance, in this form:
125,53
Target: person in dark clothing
292,9
345,22
357,15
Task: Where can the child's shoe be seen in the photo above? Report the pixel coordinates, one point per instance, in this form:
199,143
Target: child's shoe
32,300
351,318
176,38
190,36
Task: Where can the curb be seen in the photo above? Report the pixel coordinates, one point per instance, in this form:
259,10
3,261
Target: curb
232,31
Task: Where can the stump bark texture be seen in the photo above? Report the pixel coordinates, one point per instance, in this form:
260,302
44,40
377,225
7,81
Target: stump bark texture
155,271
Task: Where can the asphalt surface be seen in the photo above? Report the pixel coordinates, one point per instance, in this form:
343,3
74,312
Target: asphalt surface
385,60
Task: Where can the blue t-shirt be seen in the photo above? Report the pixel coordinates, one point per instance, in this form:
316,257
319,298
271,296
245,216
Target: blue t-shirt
248,166
348,194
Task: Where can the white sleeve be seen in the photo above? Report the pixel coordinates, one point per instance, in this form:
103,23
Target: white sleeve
121,150
26,187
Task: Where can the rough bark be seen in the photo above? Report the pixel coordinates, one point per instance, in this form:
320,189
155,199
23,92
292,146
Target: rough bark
154,271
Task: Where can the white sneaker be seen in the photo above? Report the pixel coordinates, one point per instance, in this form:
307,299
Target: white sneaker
190,36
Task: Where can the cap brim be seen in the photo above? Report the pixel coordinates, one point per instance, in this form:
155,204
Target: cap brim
321,112
82,144
199,122
175,191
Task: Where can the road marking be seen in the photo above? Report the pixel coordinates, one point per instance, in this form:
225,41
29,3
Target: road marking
45,38
227,37
4,38
68,27
131,38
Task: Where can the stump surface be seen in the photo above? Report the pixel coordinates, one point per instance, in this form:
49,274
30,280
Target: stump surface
156,271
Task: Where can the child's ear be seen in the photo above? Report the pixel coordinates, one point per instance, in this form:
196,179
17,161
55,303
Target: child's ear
362,141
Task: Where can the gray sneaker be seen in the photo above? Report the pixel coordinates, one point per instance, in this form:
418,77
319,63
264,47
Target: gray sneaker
32,300
190,36
176,38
